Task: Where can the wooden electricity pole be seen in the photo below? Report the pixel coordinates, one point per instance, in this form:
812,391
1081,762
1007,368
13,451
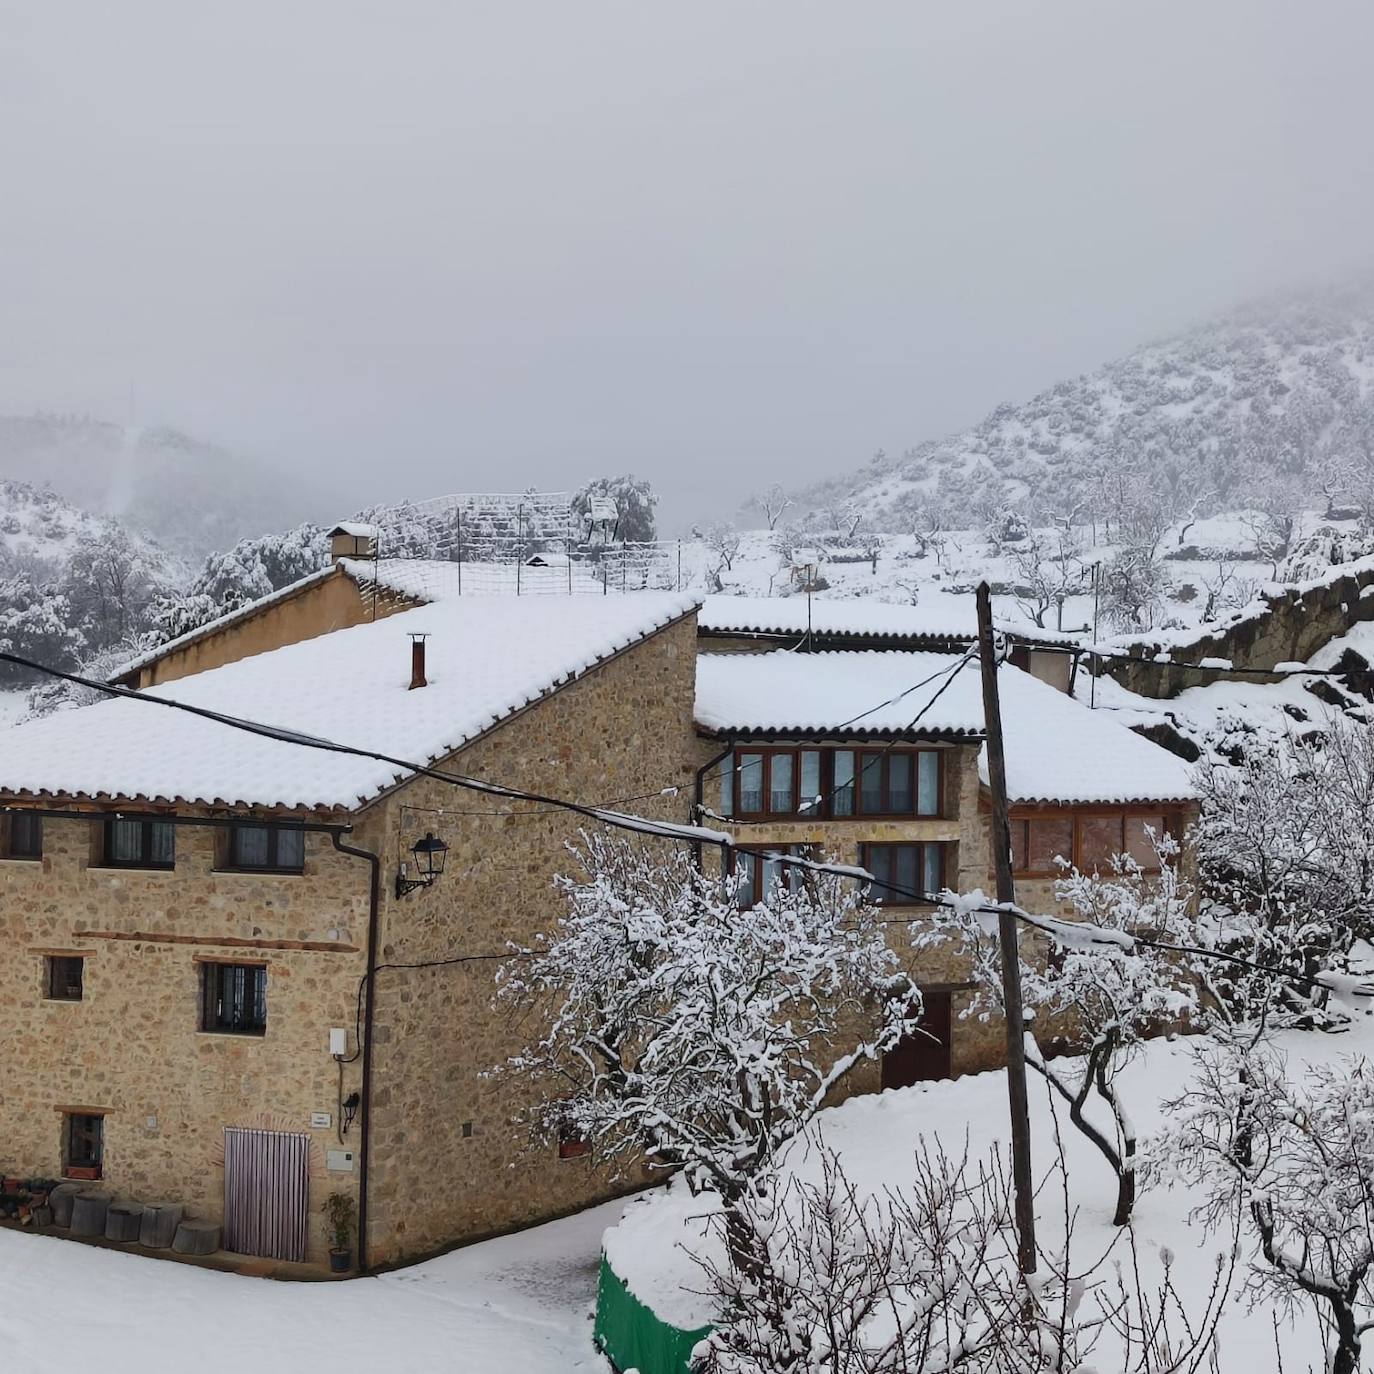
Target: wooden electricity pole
1006,933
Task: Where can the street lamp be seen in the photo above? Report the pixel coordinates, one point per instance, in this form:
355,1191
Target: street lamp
429,855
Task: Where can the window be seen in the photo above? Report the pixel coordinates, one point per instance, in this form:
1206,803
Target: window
65,976
903,872
1038,842
1090,840
235,999
267,848
759,876
572,1144
83,1144
140,842
830,783
21,836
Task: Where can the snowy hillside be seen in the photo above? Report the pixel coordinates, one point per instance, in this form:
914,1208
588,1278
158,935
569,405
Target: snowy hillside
41,530
1207,570
192,496
1281,392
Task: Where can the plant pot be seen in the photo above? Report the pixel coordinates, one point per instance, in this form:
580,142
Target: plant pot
82,1171
340,1261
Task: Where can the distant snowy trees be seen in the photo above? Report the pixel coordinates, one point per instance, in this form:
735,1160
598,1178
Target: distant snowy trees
253,568
95,593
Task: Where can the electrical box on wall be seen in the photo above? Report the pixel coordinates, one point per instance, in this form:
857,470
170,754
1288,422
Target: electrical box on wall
338,1040
339,1161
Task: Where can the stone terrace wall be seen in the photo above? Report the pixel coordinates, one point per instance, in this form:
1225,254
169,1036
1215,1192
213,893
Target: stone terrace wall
1289,627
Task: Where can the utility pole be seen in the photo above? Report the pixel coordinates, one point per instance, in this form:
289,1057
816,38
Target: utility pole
1006,938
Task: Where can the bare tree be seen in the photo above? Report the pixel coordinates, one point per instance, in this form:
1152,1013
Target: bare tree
1298,1159
771,502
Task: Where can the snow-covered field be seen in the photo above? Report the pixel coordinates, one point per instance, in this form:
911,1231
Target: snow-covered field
522,1304
519,1305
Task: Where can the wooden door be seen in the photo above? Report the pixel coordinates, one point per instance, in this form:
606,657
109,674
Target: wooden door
925,1055
266,1192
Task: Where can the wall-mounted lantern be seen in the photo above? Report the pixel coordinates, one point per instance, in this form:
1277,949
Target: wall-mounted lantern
429,855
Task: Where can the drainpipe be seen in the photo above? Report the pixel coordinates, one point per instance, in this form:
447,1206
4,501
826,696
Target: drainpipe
701,794
365,1109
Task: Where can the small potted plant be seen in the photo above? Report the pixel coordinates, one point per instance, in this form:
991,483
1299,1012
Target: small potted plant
342,1213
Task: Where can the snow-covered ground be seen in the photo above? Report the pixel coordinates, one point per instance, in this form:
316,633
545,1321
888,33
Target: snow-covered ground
13,706
519,1305
523,1304
877,1138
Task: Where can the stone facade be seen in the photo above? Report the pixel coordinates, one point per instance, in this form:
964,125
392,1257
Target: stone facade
450,1159
132,1047
448,1153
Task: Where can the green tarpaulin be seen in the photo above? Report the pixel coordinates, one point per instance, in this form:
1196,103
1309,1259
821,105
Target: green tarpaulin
633,1337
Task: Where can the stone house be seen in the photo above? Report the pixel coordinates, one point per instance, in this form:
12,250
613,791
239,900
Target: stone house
218,903
876,758
191,915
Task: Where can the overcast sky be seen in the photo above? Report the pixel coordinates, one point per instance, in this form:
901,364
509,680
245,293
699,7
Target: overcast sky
429,247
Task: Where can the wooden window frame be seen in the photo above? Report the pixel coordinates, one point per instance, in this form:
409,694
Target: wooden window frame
1172,817
826,810
87,1171
942,847
146,824
273,865
757,853
212,1022
9,850
52,978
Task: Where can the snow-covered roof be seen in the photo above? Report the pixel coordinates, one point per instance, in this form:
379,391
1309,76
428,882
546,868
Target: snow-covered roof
858,618
859,692
356,530
1058,751
487,657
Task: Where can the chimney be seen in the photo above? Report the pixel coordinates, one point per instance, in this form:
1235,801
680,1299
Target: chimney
417,662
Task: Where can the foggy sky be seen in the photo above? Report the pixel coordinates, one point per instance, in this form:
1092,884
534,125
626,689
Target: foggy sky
429,247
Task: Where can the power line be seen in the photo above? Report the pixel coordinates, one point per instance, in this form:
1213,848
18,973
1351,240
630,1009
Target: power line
1075,932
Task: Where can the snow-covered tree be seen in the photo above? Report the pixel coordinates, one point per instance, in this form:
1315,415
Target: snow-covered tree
1285,847
253,568
688,1031
1097,985
1296,1153
889,1284
1134,584
36,622
1049,570
634,502
109,585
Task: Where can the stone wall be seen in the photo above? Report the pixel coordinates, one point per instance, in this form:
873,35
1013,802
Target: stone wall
451,1157
132,1047
1287,626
